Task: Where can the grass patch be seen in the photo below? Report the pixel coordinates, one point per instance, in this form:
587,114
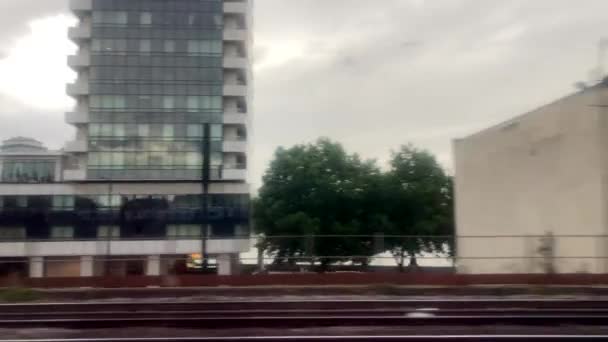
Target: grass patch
15,295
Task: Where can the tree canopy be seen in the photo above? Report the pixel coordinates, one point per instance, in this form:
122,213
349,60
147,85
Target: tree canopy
320,189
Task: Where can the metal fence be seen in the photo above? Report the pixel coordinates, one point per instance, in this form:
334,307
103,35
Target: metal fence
546,253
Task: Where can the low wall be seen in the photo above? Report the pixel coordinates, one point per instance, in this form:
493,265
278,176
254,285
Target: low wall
311,279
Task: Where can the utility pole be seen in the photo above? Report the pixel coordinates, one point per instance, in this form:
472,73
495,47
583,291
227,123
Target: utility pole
108,229
205,177
601,56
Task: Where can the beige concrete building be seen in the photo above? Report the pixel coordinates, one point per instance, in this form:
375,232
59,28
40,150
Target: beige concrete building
540,173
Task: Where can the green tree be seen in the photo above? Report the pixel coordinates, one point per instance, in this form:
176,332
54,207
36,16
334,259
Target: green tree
419,204
319,189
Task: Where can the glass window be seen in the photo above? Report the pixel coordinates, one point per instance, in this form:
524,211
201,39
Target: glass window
12,233
120,18
96,45
184,230
118,159
205,46
94,129
216,130
143,130
119,130
168,102
97,17
115,200
193,103
106,130
194,130
156,158
62,232
94,159
216,102
105,159
216,158
169,46
22,201
193,159
217,46
145,18
205,102
95,101
193,47
68,202
179,159
145,46
108,231
141,159
120,45
168,131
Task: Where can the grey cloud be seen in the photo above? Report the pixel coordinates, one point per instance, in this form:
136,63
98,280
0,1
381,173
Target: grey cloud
18,119
15,14
377,74
396,71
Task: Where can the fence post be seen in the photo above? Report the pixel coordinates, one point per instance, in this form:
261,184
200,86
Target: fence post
310,250
452,252
261,266
378,243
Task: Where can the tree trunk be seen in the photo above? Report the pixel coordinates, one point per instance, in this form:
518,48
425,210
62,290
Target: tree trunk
413,266
401,261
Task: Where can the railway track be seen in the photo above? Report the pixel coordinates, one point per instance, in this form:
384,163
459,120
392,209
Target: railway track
283,315
313,304
362,338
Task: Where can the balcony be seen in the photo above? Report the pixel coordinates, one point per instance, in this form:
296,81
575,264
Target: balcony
74,175
76,118
234,174
233,34
78,88
79,61
235,118
239,146
235,90
236,63
236,7
78,6
79,32
76,146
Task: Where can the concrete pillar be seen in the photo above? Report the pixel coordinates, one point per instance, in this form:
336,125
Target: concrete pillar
86,266
36,267
224,264
153,265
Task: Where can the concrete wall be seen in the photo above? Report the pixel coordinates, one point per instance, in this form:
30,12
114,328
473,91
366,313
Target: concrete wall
541,172
121,188
121,248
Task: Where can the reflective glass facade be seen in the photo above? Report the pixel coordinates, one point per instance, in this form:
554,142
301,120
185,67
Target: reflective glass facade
28,171
67,217
155,84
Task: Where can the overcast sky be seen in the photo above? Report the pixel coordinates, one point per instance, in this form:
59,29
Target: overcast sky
372,74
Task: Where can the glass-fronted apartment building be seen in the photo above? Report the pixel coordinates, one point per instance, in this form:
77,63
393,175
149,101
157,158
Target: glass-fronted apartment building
158,168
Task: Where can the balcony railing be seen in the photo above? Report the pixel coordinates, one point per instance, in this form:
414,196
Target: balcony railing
79,32
77,117
81,5
76,146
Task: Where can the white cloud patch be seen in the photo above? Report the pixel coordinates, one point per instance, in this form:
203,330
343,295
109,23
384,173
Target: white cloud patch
34,71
